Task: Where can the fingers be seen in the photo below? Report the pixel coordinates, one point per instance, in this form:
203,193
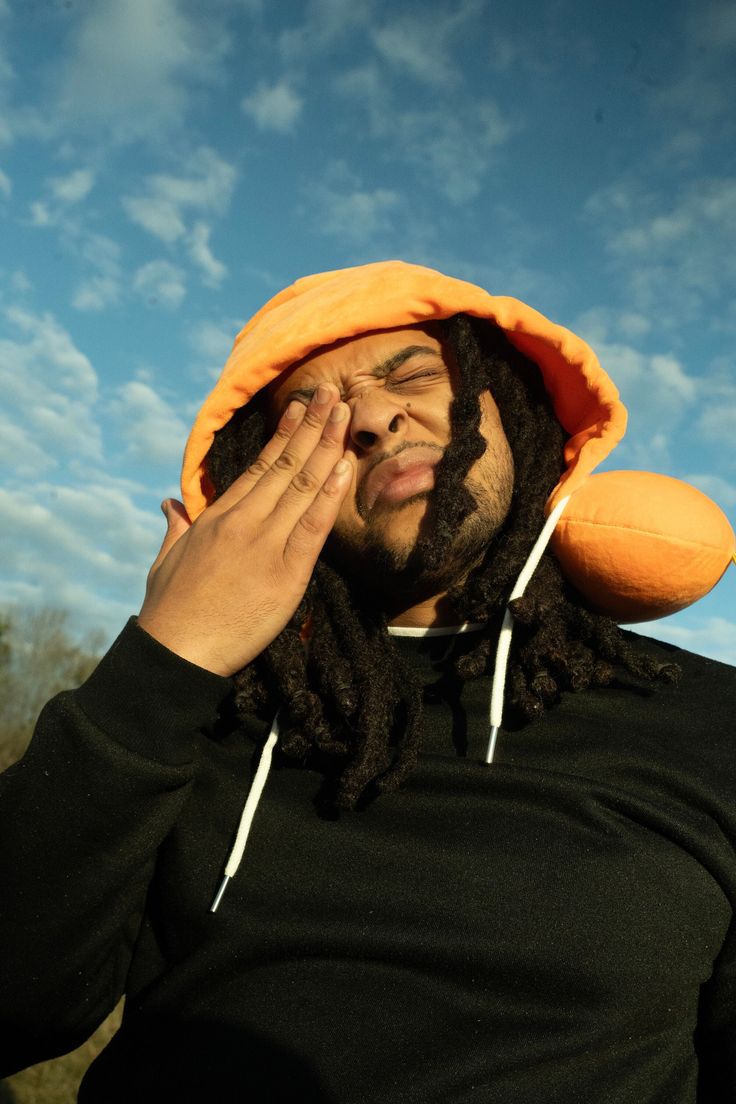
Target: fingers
177,523
288,423
298,458
313,525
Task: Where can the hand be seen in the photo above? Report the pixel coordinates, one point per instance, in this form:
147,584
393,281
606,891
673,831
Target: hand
221,589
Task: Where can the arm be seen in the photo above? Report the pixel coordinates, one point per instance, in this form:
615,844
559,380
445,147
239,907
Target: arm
108,771
81,818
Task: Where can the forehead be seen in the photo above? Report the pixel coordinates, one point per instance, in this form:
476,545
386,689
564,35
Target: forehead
350,360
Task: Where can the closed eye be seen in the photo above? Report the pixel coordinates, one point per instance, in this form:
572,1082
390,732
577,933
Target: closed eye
428,374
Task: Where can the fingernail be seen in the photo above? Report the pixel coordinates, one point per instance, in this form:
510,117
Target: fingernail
339,413
322,395
164,508
295,409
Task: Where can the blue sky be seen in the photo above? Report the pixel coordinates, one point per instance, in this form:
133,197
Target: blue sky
166,166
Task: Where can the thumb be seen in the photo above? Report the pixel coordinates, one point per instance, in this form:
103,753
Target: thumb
177,523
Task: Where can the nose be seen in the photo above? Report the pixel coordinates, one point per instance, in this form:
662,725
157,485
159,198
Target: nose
376,418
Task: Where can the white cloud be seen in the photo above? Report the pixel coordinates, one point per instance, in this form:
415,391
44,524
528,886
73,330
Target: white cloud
96,293
51,348
161,282
213,271
325,24
101,287
152,430
21,453
133,67
213,340
156,214
714,25
711,636
718,421
211,343
655,388
19,282
600,323
65,545
347,211
369,88
457,147
74,187
420,44
6,186
274,107
452,146
49,390
40,214
161,210
675,254
717,488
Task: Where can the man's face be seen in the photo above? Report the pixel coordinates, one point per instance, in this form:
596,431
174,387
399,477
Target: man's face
399,385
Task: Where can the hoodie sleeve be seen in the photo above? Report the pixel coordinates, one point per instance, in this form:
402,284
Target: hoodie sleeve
715,1036
82,815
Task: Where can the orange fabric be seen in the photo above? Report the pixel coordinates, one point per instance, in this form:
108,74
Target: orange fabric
640,546
626,563
319,310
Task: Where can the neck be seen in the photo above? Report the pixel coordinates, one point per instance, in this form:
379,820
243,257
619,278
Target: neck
428,613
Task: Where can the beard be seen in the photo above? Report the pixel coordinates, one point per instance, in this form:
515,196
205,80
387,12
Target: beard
439,557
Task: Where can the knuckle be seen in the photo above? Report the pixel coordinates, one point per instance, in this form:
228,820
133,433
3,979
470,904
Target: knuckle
285,462
310,525
313,420
259,467
305,483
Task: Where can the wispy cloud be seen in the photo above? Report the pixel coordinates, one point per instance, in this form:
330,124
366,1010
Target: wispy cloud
161,283
275,107
325,24
132,67
49,390
74,187
717,488
150,427
420,44
213,271
676,252
655,387
702,88
345,209
102,285
166,199
710,636
66,544
452,146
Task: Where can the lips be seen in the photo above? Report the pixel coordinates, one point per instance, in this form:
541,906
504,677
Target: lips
404,475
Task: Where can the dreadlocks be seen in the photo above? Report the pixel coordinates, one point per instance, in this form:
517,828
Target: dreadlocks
349,699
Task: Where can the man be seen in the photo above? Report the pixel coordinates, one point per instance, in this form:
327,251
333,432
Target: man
407,922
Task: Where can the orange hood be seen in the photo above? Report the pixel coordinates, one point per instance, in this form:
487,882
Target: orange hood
318,310
618,558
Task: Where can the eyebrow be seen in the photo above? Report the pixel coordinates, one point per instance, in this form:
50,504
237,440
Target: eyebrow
379,371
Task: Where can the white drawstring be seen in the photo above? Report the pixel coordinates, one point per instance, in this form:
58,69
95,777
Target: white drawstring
496,707
249,811
435,630
507,628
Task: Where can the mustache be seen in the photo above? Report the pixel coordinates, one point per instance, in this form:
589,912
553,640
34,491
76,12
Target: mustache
361,490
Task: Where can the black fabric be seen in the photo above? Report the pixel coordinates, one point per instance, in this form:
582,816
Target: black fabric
555,927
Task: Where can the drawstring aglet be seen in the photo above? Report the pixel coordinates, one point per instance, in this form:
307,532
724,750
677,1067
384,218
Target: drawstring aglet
218,895
495,729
